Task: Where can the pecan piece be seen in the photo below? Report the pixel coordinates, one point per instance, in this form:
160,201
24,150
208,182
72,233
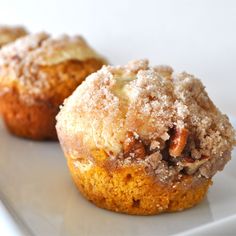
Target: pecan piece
178,142
191,166
133,146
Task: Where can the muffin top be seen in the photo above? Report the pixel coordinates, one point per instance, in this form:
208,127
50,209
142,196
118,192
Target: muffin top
9,34
117,108
26,63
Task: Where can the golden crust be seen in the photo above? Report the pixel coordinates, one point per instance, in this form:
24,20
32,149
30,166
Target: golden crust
36,121
9,34
130,190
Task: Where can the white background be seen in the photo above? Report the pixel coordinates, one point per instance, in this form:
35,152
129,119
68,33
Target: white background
196,36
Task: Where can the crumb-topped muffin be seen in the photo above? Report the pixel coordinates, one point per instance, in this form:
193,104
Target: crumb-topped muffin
145,141
37,73
11,33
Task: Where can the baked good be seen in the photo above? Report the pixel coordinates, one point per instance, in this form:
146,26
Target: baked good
37,73
142,140
11,33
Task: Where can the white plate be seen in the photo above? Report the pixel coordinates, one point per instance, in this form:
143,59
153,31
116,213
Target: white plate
36,188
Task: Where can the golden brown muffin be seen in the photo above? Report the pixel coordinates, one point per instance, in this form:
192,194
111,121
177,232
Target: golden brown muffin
9,34
37,73
140,140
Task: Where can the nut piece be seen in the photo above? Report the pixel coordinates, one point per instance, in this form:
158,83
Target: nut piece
133,146
191,166
178,142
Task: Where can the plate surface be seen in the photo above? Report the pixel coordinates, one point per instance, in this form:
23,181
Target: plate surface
36,188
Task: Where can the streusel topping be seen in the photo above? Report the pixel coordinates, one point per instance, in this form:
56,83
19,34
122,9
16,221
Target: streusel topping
20,62
156,107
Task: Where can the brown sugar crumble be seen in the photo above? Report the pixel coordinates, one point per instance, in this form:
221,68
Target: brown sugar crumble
149,116
25,64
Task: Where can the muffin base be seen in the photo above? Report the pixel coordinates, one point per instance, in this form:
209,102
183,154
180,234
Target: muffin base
130,190
36,121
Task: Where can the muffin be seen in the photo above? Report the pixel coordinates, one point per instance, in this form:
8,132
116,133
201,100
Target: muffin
37,73
9,34
140,140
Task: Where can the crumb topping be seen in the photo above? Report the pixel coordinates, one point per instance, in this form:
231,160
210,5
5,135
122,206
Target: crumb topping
9,34
20,62
149,104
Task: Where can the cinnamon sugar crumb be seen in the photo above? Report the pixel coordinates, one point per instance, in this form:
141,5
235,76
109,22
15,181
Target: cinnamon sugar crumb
147,103
20,62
